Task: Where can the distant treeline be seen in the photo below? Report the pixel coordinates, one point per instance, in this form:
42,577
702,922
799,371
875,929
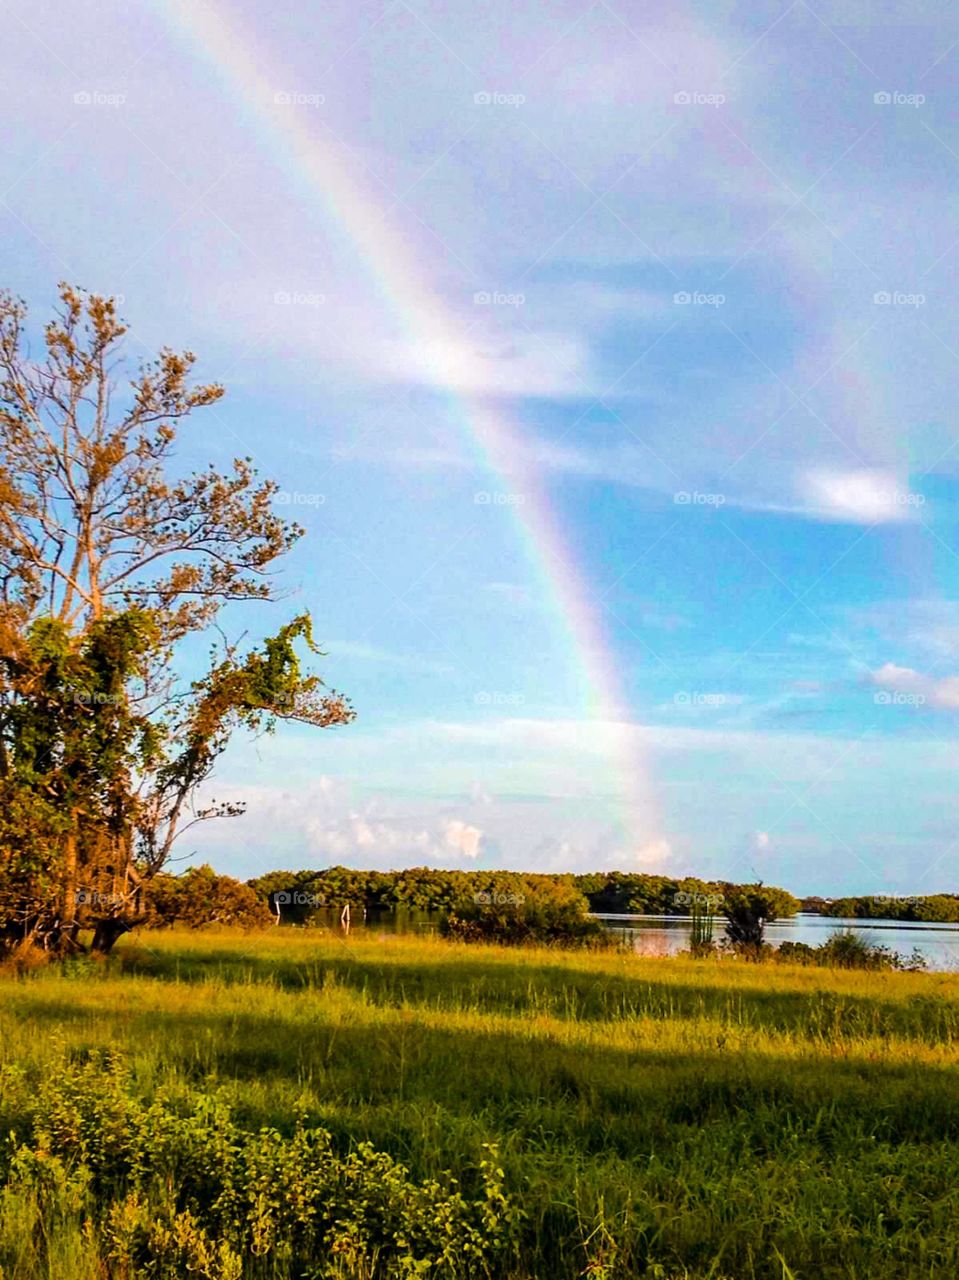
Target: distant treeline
430,889
917,907
201,896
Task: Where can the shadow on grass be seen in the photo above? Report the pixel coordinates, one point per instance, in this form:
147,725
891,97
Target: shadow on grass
593,1098
535,987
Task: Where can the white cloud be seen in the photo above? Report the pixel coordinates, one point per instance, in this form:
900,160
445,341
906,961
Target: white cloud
463,838
859,497
326,821
520,363
396,840
654,856
605,851
942,693
892,677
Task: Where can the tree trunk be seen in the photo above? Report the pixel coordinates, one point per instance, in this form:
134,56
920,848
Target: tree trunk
68,900
106,934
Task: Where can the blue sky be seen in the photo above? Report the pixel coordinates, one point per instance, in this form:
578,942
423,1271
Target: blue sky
723,247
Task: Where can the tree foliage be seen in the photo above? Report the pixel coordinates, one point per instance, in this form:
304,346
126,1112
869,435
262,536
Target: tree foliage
199,898
931,907
551,913
636,893
748,908
109,558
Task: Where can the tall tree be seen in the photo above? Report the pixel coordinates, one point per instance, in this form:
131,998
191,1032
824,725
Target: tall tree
108,560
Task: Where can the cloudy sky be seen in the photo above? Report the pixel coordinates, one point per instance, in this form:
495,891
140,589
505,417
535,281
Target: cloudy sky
609,354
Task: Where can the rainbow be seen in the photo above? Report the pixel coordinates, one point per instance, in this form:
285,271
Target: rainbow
316,166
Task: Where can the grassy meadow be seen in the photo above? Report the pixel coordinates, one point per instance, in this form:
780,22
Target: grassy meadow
531,1113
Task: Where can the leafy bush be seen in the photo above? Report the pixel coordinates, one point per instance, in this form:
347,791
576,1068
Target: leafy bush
554,914
748,909
847,950
200,897
170,1191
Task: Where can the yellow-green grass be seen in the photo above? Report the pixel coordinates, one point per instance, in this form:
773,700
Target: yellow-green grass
674,1118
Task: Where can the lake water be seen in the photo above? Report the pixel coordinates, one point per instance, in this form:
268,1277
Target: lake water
666,935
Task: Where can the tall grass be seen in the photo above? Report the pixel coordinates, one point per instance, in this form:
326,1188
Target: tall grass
672,1118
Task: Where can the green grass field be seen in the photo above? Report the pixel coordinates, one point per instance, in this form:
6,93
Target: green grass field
669,1118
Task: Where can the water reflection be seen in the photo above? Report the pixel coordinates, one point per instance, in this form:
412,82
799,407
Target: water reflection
937,943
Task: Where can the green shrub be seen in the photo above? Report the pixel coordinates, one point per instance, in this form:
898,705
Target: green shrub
199,898
846,949
748,908
169,1191
554,914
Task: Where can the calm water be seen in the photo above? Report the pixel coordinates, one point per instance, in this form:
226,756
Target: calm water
665,935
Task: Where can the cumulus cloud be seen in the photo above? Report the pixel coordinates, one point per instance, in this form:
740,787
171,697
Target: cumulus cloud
395,840
327,822
462,838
